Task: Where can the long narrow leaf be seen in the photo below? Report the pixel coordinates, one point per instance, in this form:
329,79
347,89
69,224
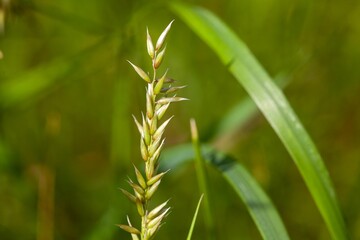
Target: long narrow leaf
258,203
270,100
242,113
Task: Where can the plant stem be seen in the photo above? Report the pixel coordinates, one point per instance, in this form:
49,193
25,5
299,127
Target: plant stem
201,177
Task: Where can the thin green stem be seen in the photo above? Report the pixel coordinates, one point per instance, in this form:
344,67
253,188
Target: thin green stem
202,180
191,230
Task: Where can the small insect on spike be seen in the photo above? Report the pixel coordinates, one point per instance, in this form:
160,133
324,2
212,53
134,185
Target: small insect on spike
149,44
171,89
141,72
162,37
169,80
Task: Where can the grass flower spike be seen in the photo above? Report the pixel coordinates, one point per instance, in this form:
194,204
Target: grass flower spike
151,130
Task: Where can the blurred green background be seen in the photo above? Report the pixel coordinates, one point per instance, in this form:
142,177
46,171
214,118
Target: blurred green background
68,141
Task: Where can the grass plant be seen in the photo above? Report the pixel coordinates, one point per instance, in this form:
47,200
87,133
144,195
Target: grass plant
271,101
66,132
202,180
158,98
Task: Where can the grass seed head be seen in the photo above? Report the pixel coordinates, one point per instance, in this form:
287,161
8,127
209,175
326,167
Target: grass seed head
160,83
157,210
156,178
151,141
129,229
133,236
149,44
146,130
152,190
141,72
153,159
143,150
154,146
159,132
131,197
152,223
149,171
137,188
154,229
170,100
159,58
153,125
140,208
149,106
162,110
162,37
140,178
139,127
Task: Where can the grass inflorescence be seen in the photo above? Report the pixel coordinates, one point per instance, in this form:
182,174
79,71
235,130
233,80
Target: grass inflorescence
159,95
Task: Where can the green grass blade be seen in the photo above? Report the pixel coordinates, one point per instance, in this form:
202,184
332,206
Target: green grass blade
242,113
202,180
257,202
194,219
270,100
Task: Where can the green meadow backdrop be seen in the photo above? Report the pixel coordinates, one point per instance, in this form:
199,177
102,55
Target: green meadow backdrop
274,87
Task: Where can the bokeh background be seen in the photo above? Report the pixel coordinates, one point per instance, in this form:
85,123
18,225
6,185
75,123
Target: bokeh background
67,139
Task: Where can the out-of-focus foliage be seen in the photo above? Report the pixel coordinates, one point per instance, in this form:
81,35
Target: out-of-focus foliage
67,140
